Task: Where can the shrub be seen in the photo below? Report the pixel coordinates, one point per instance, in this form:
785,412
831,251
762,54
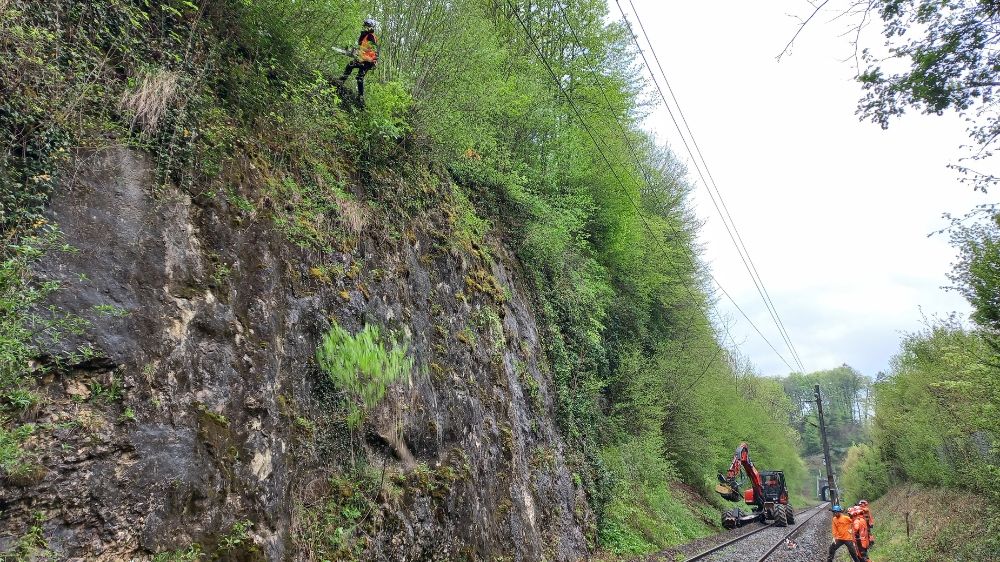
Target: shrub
362,367
865,474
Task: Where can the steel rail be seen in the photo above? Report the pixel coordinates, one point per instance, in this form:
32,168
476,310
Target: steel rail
792,532
719,547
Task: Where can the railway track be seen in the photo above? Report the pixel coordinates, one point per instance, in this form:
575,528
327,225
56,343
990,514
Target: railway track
777,543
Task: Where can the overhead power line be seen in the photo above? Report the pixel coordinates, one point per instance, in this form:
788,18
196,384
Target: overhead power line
611,167
717,200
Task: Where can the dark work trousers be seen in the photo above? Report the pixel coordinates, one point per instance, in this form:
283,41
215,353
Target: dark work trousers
850,549
862,553
363,68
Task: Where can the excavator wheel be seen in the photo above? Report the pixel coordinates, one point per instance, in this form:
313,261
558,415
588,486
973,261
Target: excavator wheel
790,514
781,515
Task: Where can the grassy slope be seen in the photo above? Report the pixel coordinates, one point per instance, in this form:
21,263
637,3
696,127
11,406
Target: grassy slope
667,515
944,525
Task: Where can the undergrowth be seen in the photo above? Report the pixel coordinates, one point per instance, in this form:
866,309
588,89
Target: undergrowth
945,524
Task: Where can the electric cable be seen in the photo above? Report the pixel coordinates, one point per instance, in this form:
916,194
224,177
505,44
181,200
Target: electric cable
611,167
741,249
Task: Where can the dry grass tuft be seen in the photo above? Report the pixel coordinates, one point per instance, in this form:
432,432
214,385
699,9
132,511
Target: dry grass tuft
353,214
149,100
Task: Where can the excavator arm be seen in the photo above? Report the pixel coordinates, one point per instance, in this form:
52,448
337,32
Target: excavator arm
729,489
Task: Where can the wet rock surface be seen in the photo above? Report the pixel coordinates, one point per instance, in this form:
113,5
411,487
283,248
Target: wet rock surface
189,417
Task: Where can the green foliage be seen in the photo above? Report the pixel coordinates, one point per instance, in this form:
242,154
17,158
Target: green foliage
238,537
936,414
470,228
864,474
313,201
192,553
329,529
362,366
65,63
950,48
32,544
29,329
385,117
14,462
976,273
846,407
646,512
112,392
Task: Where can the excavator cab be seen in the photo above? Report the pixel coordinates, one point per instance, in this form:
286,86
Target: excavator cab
773,486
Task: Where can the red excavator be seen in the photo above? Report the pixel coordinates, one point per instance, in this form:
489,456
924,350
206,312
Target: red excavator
767,494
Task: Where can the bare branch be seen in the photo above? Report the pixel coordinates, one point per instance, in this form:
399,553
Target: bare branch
855,9
802,26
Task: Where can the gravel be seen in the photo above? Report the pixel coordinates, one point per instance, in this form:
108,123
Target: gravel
810,543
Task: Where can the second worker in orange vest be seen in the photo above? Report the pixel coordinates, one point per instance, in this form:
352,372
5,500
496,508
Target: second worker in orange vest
860,526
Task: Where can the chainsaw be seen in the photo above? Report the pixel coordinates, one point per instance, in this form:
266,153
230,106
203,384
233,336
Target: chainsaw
346,51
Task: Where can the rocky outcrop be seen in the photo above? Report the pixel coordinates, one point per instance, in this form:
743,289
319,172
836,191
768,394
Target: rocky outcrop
201,417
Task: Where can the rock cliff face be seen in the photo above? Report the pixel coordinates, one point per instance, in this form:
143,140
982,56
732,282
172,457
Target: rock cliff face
202,418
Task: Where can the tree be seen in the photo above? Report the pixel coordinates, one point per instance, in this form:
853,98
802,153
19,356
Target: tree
951,50
942,55
976,274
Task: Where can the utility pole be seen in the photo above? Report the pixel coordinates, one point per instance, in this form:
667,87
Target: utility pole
834,492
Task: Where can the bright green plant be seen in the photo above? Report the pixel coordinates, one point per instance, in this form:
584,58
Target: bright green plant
27,328
238,536
386,111
13,458
112,392
190,554
31,545
362,366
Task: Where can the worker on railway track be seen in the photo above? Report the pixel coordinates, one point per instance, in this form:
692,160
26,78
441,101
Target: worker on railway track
843,534
860,526
863,504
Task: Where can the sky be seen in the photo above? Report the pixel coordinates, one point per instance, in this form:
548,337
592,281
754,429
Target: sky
835,212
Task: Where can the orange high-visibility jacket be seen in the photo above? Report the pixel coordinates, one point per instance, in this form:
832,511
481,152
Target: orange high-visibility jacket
861,531
368,47
868,515
842,527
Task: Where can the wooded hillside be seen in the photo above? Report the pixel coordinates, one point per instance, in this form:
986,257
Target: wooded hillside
514,125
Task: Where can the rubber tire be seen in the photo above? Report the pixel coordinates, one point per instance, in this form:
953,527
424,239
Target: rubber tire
780,515
791,514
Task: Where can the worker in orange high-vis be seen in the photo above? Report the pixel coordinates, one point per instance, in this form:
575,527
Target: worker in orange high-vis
843,534
863,504
860,526
365,59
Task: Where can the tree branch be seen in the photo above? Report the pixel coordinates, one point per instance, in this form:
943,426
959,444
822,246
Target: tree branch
801,27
